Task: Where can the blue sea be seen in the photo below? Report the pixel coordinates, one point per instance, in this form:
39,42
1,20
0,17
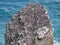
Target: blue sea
9,7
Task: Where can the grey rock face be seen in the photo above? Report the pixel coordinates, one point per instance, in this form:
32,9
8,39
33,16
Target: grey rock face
31,26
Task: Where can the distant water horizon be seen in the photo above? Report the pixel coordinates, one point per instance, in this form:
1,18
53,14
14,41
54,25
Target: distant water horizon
9,7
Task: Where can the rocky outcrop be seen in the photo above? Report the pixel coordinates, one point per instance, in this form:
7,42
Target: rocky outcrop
30,26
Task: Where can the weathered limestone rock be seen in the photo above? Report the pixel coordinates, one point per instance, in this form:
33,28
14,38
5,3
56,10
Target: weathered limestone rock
31,26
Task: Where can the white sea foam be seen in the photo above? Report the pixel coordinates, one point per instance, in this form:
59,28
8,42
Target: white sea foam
56,42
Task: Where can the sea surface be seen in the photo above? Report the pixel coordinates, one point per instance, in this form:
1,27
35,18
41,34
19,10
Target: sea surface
9,7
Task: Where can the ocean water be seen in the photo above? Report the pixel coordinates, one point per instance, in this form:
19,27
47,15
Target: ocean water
10,7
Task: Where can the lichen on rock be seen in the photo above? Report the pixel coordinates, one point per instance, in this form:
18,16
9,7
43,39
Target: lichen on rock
31,26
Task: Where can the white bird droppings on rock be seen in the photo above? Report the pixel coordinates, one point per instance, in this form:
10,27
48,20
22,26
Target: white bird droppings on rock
30,26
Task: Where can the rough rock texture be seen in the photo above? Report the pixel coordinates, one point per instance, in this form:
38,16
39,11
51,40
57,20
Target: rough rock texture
31,26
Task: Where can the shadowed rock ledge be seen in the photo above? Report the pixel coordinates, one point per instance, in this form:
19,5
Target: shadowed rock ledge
31,26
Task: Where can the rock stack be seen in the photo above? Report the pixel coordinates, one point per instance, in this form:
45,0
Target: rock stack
30,26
